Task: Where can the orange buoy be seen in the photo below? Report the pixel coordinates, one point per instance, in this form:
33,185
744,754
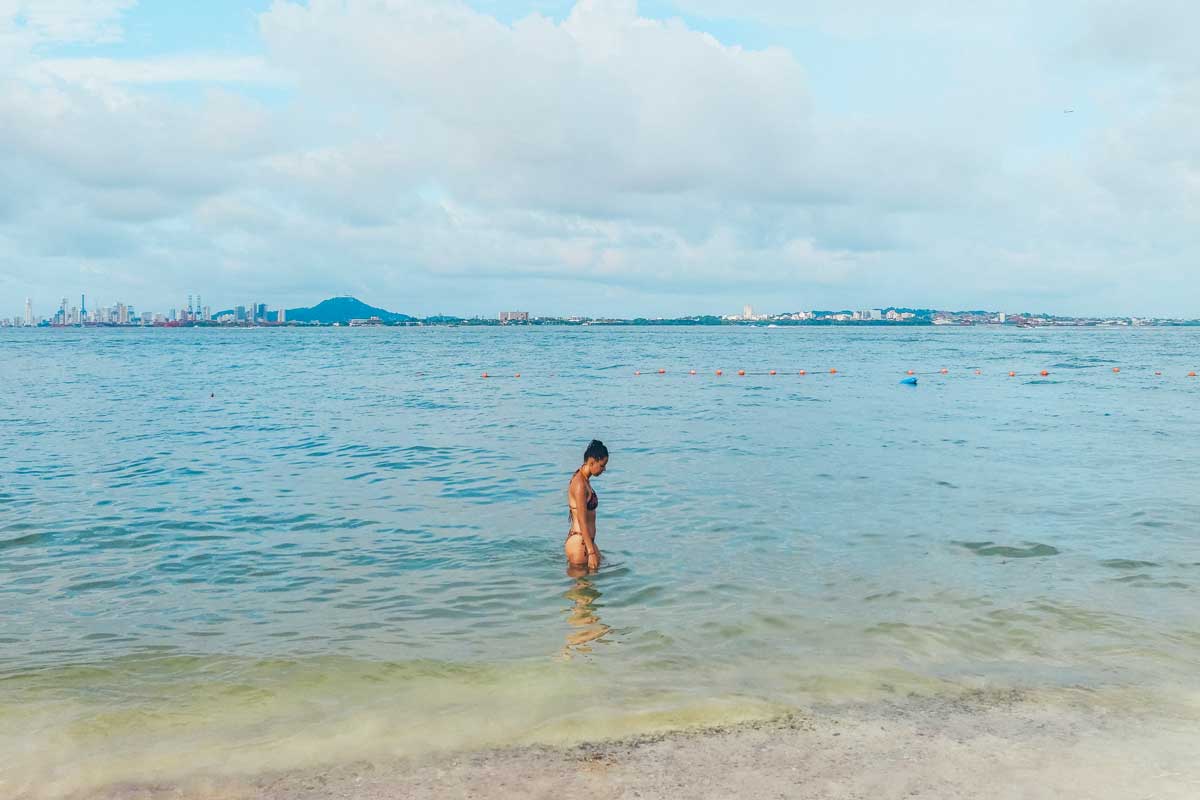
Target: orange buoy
720,372
945,371
978,372
693,372
1012,374
1044,373
517,375
485,375
662,372
773,372
910,372
833,372
1116,369
802,372
1191,374
742,372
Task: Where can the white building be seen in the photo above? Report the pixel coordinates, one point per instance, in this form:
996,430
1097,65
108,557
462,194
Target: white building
28,312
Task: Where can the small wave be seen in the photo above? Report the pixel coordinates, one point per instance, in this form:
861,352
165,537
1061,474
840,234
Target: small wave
1027,550
1125,563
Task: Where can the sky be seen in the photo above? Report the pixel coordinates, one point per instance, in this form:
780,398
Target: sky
602,157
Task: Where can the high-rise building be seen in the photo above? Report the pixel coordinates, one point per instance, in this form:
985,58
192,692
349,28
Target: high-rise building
29,312
239,314
282,316
747,312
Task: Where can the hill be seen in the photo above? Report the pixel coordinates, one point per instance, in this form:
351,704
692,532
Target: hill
342,309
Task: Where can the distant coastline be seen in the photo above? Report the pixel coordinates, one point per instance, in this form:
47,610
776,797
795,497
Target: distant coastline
352,312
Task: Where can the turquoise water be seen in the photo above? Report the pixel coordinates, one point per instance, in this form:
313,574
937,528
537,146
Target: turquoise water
248,549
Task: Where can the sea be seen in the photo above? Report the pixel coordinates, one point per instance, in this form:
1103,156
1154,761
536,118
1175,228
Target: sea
242,550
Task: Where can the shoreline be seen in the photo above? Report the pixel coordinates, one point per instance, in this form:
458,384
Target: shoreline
975,745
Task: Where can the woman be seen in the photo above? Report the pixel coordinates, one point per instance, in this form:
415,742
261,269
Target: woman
581,503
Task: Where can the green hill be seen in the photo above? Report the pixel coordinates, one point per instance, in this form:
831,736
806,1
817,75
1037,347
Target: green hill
342,309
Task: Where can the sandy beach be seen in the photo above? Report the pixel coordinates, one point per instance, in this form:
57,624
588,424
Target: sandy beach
973,746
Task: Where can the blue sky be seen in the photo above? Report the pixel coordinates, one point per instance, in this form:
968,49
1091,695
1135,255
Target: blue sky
602,156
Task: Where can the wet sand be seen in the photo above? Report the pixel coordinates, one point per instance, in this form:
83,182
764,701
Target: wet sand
972,746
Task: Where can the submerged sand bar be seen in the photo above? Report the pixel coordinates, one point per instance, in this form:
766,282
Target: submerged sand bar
972,746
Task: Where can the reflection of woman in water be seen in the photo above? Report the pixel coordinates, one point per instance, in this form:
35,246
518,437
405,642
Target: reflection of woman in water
583,619
582,553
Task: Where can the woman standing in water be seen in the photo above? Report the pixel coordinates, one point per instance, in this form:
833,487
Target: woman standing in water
582,501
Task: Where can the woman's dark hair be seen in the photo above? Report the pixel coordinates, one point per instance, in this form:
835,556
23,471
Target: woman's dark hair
596,450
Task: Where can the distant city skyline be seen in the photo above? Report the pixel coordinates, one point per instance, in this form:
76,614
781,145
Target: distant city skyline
604,157
192,312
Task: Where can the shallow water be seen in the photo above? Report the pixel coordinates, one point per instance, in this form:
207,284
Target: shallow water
240,549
